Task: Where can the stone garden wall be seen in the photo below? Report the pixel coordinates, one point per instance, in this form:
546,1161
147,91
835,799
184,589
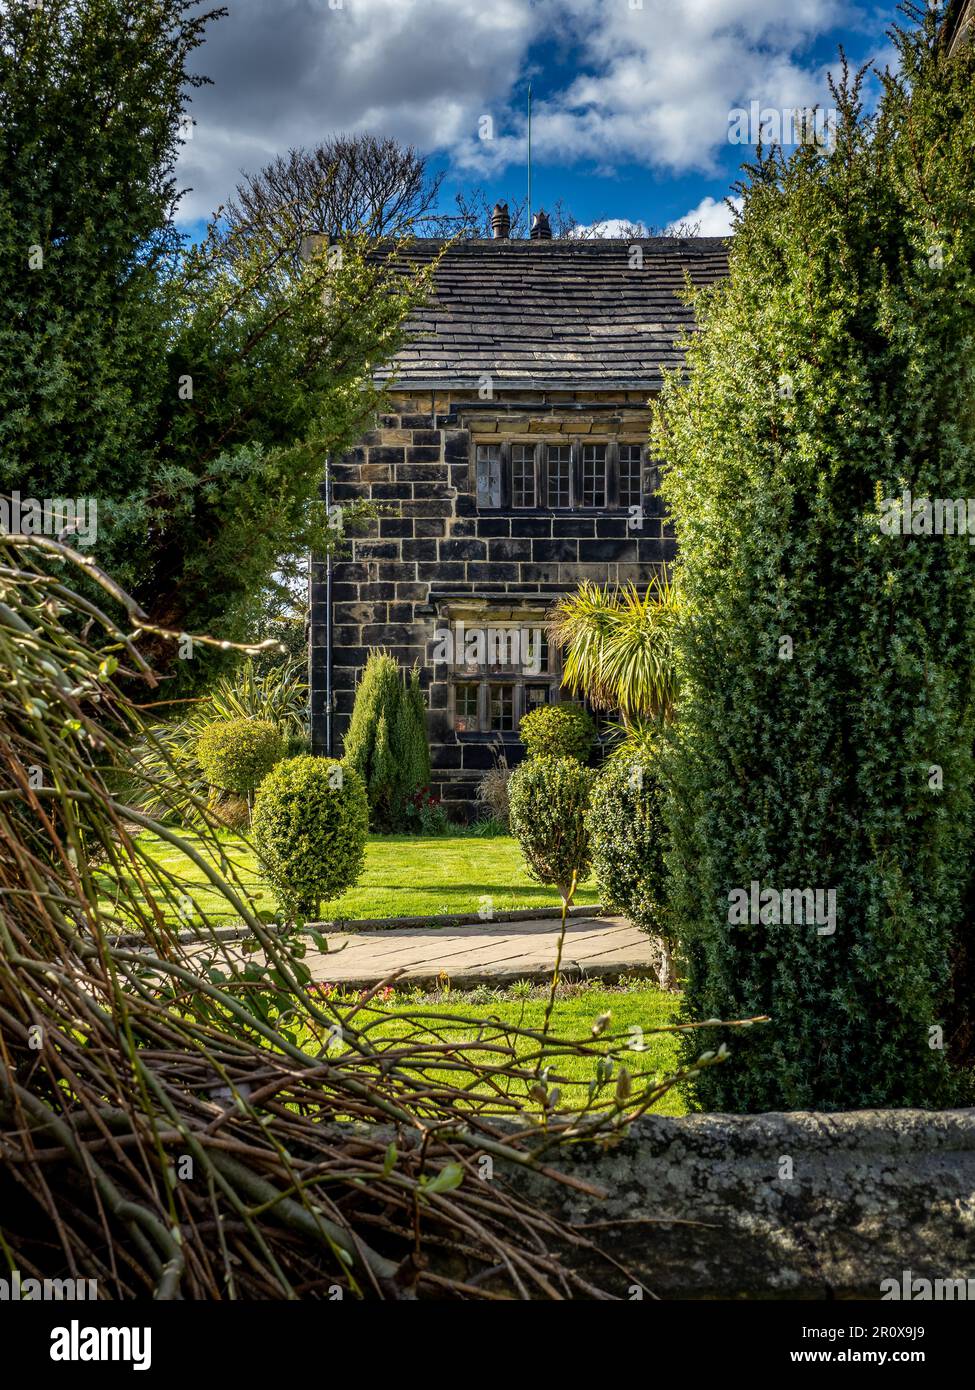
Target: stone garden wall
870,1204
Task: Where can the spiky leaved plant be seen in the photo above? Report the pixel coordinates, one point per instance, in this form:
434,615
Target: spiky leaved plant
618,648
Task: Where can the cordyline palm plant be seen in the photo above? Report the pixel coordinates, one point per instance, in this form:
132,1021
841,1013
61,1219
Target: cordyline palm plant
194,1120
618,649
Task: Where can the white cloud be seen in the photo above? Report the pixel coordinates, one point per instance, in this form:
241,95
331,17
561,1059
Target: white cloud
651,86
292,72
656,84
711,216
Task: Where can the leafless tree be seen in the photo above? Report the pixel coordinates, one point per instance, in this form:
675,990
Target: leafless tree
349,182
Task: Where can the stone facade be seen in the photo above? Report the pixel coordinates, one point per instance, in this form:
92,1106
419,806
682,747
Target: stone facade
959,24
435,558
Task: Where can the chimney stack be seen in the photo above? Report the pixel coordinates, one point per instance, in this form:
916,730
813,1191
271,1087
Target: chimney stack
541,229
501,222
310,244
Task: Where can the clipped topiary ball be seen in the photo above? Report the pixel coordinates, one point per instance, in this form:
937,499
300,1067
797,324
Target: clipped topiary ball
558,731
311,817
237,754
548,801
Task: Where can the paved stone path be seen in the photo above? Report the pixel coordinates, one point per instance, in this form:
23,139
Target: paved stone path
494,954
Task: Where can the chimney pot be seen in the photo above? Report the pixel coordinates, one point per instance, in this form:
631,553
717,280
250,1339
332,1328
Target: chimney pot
541,228
501,222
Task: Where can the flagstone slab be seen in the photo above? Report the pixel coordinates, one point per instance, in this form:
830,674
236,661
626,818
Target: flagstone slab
486,953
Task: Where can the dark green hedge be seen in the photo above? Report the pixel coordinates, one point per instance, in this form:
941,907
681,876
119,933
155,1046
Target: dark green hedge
826,717
627,833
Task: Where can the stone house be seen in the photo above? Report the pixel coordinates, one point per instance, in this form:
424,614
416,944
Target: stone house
959,24
512,464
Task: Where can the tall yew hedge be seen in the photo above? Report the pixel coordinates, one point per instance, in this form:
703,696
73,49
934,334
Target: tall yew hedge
825,725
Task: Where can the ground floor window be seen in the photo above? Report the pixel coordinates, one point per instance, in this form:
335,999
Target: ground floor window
497,706
500,668
502,707
536,695
467,706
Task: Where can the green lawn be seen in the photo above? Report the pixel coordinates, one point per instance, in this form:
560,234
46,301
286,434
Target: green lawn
405,876
647,1053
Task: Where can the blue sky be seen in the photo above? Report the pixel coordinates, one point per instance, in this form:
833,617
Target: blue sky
631,98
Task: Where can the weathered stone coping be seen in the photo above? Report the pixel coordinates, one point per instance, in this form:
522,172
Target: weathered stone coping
874,1195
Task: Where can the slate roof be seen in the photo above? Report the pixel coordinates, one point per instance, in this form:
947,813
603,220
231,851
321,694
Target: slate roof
554,315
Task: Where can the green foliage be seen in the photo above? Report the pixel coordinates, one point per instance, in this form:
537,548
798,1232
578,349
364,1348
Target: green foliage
619,649
627,831
558,731
827,668
192,390
412,746
89,135
237,754
276,385
386,741
281,617
383,775
310,822
549,798
425,814
376,696
490,828
170,774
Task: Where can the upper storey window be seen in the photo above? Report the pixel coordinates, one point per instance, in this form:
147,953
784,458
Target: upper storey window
593,475
558,473
489,475
523,475
584,475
